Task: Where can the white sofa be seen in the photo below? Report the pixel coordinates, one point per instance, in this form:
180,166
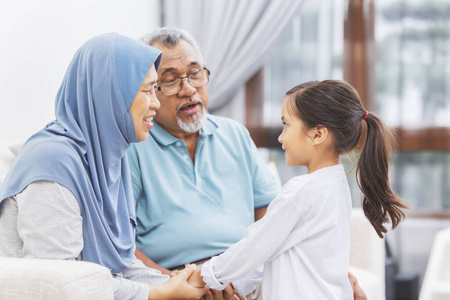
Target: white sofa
52,279
367,256
22,278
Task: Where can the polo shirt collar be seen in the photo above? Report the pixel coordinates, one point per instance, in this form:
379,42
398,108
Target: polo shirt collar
164,138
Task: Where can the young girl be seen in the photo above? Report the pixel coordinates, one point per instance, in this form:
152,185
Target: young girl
303,240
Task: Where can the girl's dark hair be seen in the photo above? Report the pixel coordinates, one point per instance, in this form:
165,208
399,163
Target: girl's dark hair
335,105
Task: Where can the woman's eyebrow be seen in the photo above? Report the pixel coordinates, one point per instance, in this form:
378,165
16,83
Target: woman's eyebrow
149,84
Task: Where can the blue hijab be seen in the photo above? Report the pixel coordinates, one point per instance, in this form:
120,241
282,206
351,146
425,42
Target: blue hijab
84,149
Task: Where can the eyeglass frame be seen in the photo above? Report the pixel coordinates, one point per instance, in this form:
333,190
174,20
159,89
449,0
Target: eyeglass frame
158,88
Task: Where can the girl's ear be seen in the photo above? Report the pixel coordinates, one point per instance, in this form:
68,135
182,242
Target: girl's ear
319,134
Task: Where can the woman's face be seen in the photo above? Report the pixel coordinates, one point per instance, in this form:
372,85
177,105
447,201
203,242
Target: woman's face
144,105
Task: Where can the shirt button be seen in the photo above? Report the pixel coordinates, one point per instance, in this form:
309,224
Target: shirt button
178,144
186,157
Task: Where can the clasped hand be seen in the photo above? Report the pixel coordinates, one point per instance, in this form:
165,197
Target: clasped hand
229,293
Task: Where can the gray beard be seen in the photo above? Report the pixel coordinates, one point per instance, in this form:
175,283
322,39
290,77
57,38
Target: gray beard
196,123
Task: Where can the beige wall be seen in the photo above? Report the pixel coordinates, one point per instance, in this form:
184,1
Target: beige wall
37,42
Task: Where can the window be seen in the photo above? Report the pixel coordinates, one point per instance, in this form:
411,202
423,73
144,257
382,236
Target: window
396,54
413,95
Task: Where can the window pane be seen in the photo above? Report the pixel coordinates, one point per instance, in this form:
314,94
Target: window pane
310,48
423,179
413,62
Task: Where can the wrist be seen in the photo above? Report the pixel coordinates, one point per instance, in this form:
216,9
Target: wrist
157,293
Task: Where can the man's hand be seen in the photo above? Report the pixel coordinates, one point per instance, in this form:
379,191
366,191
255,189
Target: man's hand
358,293
196,279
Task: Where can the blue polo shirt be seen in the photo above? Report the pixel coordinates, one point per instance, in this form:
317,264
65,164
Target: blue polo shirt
188,211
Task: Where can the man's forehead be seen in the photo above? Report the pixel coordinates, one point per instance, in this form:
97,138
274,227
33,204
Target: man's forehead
181,56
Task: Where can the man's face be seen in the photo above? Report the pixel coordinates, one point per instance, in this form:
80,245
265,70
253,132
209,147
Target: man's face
187,108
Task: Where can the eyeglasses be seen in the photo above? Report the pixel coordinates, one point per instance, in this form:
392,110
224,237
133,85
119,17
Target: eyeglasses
174,86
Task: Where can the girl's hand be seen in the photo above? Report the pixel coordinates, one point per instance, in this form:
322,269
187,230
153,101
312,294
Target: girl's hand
178,287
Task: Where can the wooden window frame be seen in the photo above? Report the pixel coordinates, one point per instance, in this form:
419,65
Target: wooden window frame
359,70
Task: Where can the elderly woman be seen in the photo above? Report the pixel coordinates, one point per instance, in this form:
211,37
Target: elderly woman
68,195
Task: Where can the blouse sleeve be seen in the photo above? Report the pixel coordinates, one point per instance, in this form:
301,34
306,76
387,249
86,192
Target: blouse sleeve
134,282
263,241
49,221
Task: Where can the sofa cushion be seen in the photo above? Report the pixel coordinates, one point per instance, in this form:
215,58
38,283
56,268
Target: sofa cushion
22,278
370,283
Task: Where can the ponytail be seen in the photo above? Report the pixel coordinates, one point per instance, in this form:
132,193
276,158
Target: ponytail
380,203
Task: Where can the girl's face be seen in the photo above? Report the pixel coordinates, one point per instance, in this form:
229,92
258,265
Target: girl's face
144,105
296,142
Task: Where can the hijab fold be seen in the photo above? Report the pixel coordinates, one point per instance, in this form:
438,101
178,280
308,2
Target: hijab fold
84,149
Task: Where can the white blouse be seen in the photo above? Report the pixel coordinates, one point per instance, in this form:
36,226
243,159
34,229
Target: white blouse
303,242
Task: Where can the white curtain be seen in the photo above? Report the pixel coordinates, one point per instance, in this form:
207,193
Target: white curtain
234,36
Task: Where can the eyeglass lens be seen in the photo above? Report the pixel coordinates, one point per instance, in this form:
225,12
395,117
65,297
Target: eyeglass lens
196,79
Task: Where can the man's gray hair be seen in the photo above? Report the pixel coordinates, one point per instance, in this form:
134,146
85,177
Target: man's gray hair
170,37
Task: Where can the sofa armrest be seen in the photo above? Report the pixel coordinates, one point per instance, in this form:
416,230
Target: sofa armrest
22,278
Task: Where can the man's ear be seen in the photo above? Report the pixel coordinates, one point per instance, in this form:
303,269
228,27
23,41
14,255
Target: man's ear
319,134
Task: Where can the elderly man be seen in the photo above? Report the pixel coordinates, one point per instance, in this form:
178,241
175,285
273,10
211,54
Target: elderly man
198,181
